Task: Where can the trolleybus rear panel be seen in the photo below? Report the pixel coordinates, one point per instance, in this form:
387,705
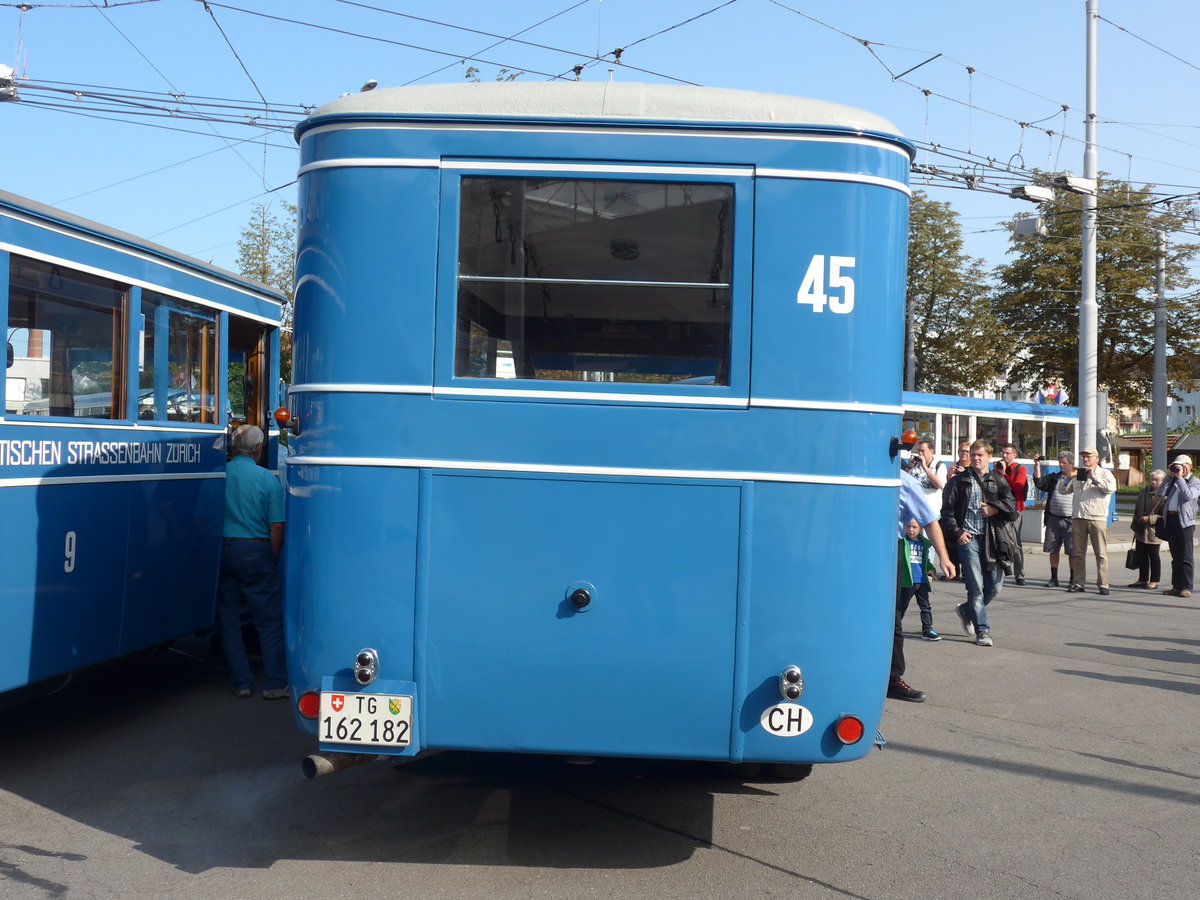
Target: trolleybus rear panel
728,513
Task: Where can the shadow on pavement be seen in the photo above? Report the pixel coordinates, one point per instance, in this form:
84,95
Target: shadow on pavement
1183,687
163,755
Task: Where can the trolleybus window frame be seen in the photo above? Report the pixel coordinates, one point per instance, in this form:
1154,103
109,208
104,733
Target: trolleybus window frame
686,390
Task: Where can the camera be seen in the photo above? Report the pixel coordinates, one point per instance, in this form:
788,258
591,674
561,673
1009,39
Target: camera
1081,475
1176,468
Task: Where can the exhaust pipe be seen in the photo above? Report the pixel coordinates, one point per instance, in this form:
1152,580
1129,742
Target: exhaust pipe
319,764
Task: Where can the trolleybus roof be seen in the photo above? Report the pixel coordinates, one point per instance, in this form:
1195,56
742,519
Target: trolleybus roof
605,100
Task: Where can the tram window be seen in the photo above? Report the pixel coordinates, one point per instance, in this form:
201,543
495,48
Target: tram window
65,331
590,280
177,361
921,423
954,432
1028,438
994,431
1059,439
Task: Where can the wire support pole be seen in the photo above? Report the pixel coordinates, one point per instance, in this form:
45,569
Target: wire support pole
1088,311
1158,410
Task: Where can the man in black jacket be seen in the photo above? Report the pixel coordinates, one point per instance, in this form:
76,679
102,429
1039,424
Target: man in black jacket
970,503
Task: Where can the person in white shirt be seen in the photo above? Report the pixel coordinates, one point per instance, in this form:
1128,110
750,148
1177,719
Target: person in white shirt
1091,488
929,471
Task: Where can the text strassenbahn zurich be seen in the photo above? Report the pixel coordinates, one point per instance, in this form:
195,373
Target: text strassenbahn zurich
93,453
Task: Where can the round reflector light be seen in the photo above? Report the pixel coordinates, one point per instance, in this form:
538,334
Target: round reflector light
282,416
849,729
309,704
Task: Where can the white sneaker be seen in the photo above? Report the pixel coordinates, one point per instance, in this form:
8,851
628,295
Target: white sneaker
983,639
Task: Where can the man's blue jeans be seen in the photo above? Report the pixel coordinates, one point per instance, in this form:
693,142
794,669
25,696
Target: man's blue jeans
249,568
984,580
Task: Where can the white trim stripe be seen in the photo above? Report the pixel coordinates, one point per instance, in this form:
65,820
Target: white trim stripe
548,469
331,388
136,254
36,481
369,162
150,285
607,169
699,132
117,425
567,396
829,405
824,175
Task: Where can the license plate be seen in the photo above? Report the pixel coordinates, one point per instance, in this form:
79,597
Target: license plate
377,720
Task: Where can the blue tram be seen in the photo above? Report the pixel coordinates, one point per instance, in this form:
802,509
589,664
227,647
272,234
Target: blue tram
125,362
596,389
1035,428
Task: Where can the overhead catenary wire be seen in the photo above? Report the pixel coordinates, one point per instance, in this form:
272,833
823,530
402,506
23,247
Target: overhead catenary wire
150,63
492,46
988,175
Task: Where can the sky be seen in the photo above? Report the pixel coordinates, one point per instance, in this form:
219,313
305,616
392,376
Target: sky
191,184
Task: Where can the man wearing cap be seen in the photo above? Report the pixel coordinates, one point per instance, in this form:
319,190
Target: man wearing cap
1090,490
1180,488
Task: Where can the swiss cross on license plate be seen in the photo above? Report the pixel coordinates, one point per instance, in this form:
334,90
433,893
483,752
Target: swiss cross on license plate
379,720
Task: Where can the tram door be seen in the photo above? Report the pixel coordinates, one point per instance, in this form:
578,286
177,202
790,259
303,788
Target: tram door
249,379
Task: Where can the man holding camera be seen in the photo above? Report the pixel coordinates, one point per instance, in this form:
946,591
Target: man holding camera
1090,488
1057,517
1178,524
928,470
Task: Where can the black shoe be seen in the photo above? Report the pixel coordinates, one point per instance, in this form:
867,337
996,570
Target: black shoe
1103,592
1053,582
898,690
1020,579
1074,588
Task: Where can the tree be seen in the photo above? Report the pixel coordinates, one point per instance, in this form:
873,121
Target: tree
1038,299
957,342
267,253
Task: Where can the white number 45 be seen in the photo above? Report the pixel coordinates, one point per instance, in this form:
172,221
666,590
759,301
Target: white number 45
812,288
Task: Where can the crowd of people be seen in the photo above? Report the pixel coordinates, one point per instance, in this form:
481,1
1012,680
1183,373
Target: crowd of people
970,515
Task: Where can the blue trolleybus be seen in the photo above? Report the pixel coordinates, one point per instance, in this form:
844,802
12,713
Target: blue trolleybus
125,361
596,392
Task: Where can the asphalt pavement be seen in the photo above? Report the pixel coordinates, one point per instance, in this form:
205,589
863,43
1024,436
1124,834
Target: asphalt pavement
1063,763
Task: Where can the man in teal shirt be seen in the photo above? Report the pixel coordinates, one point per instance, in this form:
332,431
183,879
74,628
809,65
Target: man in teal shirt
251,540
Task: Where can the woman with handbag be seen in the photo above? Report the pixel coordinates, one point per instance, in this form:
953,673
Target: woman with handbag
1146,516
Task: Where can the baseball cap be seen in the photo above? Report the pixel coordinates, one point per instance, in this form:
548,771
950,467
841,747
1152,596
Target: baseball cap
1091,451
1182,459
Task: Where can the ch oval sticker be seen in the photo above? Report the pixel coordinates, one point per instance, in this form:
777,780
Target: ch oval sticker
786,719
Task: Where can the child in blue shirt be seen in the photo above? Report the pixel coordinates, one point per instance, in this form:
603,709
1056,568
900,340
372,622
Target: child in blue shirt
916,568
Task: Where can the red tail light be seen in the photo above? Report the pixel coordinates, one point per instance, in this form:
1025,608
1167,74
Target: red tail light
849,729
309,704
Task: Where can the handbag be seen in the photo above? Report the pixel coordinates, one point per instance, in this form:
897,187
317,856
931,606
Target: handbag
1131,561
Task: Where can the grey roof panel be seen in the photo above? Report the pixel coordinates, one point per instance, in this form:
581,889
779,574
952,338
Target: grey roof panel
605,100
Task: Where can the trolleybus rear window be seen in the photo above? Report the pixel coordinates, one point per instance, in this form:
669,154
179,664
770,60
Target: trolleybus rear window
594,280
